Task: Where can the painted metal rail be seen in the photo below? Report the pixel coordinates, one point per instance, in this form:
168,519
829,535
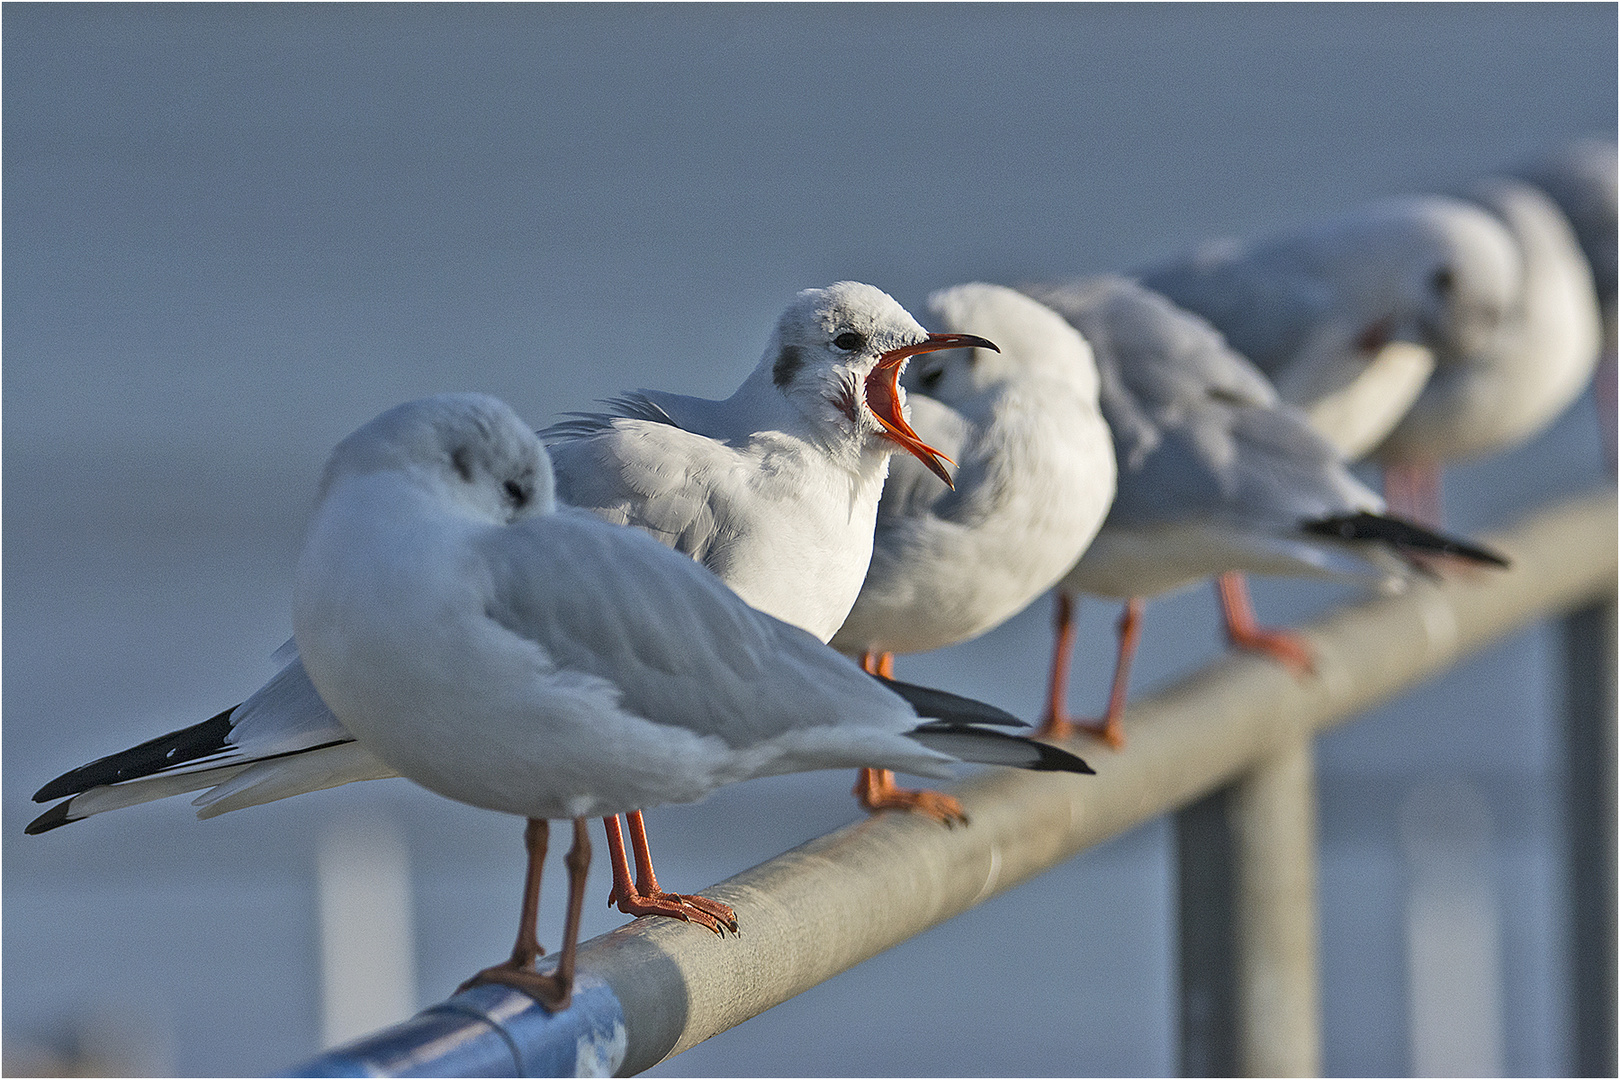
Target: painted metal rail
1241,727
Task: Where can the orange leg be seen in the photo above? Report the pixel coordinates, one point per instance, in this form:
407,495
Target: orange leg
1412,491
644,897
1244,632
876,789
555,990
1056,724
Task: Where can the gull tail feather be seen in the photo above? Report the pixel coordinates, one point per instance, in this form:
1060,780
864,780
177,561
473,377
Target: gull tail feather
293,774
100,799
950,708
966,743
1405,537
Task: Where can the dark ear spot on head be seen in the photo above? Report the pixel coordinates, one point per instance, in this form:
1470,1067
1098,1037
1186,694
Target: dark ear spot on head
1375,335
461,458
1443,281
788,363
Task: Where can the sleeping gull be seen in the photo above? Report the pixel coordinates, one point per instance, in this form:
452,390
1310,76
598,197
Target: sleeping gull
1345,317
1497,394
1216,476
521,657
1035,475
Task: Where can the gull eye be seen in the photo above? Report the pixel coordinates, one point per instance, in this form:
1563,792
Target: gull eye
849,341
515,492
1443,281
930,378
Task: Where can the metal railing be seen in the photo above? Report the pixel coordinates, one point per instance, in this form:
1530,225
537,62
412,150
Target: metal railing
1236,735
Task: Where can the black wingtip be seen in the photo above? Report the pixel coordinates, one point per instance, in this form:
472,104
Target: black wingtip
1407,537
952,708
1057,759
154,755
54,818
987,746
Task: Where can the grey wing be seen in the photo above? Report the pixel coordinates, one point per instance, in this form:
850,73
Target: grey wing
1161,353
1244,464
1289,473
649,474
1262,298
682,648
911,490
1198,431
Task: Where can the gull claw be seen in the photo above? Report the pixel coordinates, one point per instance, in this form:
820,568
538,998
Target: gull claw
1063,728
550,991
711,914
876,790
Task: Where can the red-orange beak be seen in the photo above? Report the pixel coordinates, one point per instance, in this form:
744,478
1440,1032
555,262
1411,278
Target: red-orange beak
883,395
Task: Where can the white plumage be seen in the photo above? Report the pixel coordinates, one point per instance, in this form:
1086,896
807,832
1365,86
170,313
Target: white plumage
1348,317
545,663
776,488
1035,476
1510,385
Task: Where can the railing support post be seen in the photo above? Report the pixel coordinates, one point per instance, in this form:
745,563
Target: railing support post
1590,812
1247,860
1206,893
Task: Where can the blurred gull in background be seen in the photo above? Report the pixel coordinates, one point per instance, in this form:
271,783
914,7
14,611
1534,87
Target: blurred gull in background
1215,476
1347,317
1503,389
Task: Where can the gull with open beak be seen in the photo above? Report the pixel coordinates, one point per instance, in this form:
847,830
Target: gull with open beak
774,489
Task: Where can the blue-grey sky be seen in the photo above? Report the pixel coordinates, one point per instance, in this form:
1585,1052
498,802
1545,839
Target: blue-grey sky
234,233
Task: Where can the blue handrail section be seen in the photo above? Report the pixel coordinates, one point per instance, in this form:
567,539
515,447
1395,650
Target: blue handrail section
492,1030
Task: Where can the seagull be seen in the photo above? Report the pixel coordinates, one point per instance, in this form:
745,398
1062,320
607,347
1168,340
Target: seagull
1346,317
1216,476
776,488
1582,178
1035,475
1483,399
500,649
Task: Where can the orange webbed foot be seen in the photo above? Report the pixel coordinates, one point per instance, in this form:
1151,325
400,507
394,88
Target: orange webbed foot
1284,646
695,909
1062,728
877,790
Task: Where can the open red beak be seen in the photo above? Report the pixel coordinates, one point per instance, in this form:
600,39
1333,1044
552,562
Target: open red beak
883,394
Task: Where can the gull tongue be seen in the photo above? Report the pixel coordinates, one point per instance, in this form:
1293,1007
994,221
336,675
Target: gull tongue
883,395
883,398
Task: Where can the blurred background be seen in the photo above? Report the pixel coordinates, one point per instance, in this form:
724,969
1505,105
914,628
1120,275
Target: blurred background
234,233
